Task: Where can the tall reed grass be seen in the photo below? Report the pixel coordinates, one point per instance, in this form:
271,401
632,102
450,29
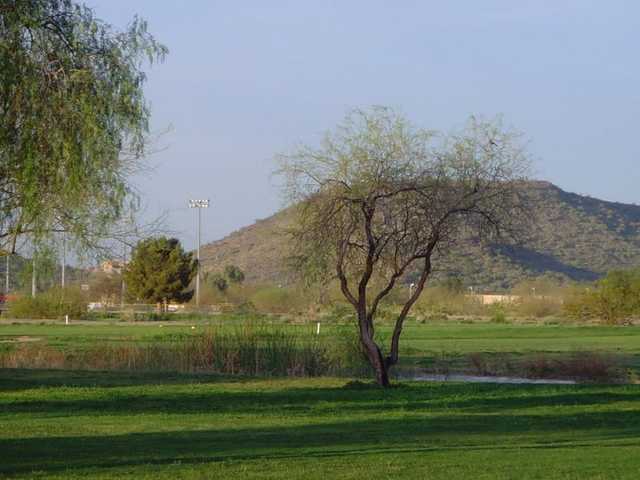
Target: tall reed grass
248,350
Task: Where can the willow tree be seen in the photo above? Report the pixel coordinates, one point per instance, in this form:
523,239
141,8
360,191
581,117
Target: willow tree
73,119
379,197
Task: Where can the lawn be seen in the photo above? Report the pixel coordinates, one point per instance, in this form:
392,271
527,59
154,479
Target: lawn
421,338
59,424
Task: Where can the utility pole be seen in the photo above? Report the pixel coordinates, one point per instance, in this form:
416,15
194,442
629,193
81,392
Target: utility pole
199,204
33,276
123,286
6,285
64,256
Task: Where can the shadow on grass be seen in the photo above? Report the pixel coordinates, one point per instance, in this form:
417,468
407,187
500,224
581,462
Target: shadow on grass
323,421
24,379
217,395
446,432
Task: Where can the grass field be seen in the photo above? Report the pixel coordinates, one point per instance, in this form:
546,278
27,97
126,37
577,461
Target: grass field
422,338
58,424
74,424
421,344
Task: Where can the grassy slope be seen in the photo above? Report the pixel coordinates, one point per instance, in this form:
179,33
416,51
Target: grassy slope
79,425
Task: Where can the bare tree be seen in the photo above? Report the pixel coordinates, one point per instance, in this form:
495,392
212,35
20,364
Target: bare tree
379,197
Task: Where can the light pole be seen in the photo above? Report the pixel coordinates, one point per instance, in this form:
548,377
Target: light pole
199,204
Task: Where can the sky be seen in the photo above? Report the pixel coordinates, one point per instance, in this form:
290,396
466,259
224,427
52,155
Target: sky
245,80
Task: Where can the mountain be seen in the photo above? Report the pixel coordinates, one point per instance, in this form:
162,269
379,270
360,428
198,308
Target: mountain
575,237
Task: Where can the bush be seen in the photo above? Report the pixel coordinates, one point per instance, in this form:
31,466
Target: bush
538,306
277,300
340,313
437,302
52,304
615,299
581,366
498,314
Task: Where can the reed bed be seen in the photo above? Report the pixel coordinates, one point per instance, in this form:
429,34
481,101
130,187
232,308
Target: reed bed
247,350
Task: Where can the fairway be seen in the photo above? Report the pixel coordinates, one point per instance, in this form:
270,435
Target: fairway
95,424
419,337
103,425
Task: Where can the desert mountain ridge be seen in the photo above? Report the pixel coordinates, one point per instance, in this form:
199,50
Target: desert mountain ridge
575,237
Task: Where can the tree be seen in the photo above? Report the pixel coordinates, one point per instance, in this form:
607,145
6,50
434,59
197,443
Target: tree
380,197
218,281
160,271
73,119
234,274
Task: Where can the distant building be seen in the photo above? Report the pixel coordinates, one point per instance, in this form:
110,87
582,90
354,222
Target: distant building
112,266
490,299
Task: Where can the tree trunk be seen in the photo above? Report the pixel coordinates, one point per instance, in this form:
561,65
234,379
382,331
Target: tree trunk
381,370
374,355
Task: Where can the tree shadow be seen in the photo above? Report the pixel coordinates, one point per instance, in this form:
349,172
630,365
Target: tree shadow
372,435
15,379
413,417
207,394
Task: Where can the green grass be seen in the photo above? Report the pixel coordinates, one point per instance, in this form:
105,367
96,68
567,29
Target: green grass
450,336
418,340
58,424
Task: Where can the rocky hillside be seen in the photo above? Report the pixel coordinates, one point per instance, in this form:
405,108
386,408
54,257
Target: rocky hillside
575,237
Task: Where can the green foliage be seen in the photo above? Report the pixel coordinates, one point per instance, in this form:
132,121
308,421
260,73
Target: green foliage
54,303
615,298
340,312
218,281
453,284
160,270
379,196
234,274
498,313
73,118
245,308
277,300
45,268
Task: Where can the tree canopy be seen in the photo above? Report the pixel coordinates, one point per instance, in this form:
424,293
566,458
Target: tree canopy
234,273
379,197
73,119
160,270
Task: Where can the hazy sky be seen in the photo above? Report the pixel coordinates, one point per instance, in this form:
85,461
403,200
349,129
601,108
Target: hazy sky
247,79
